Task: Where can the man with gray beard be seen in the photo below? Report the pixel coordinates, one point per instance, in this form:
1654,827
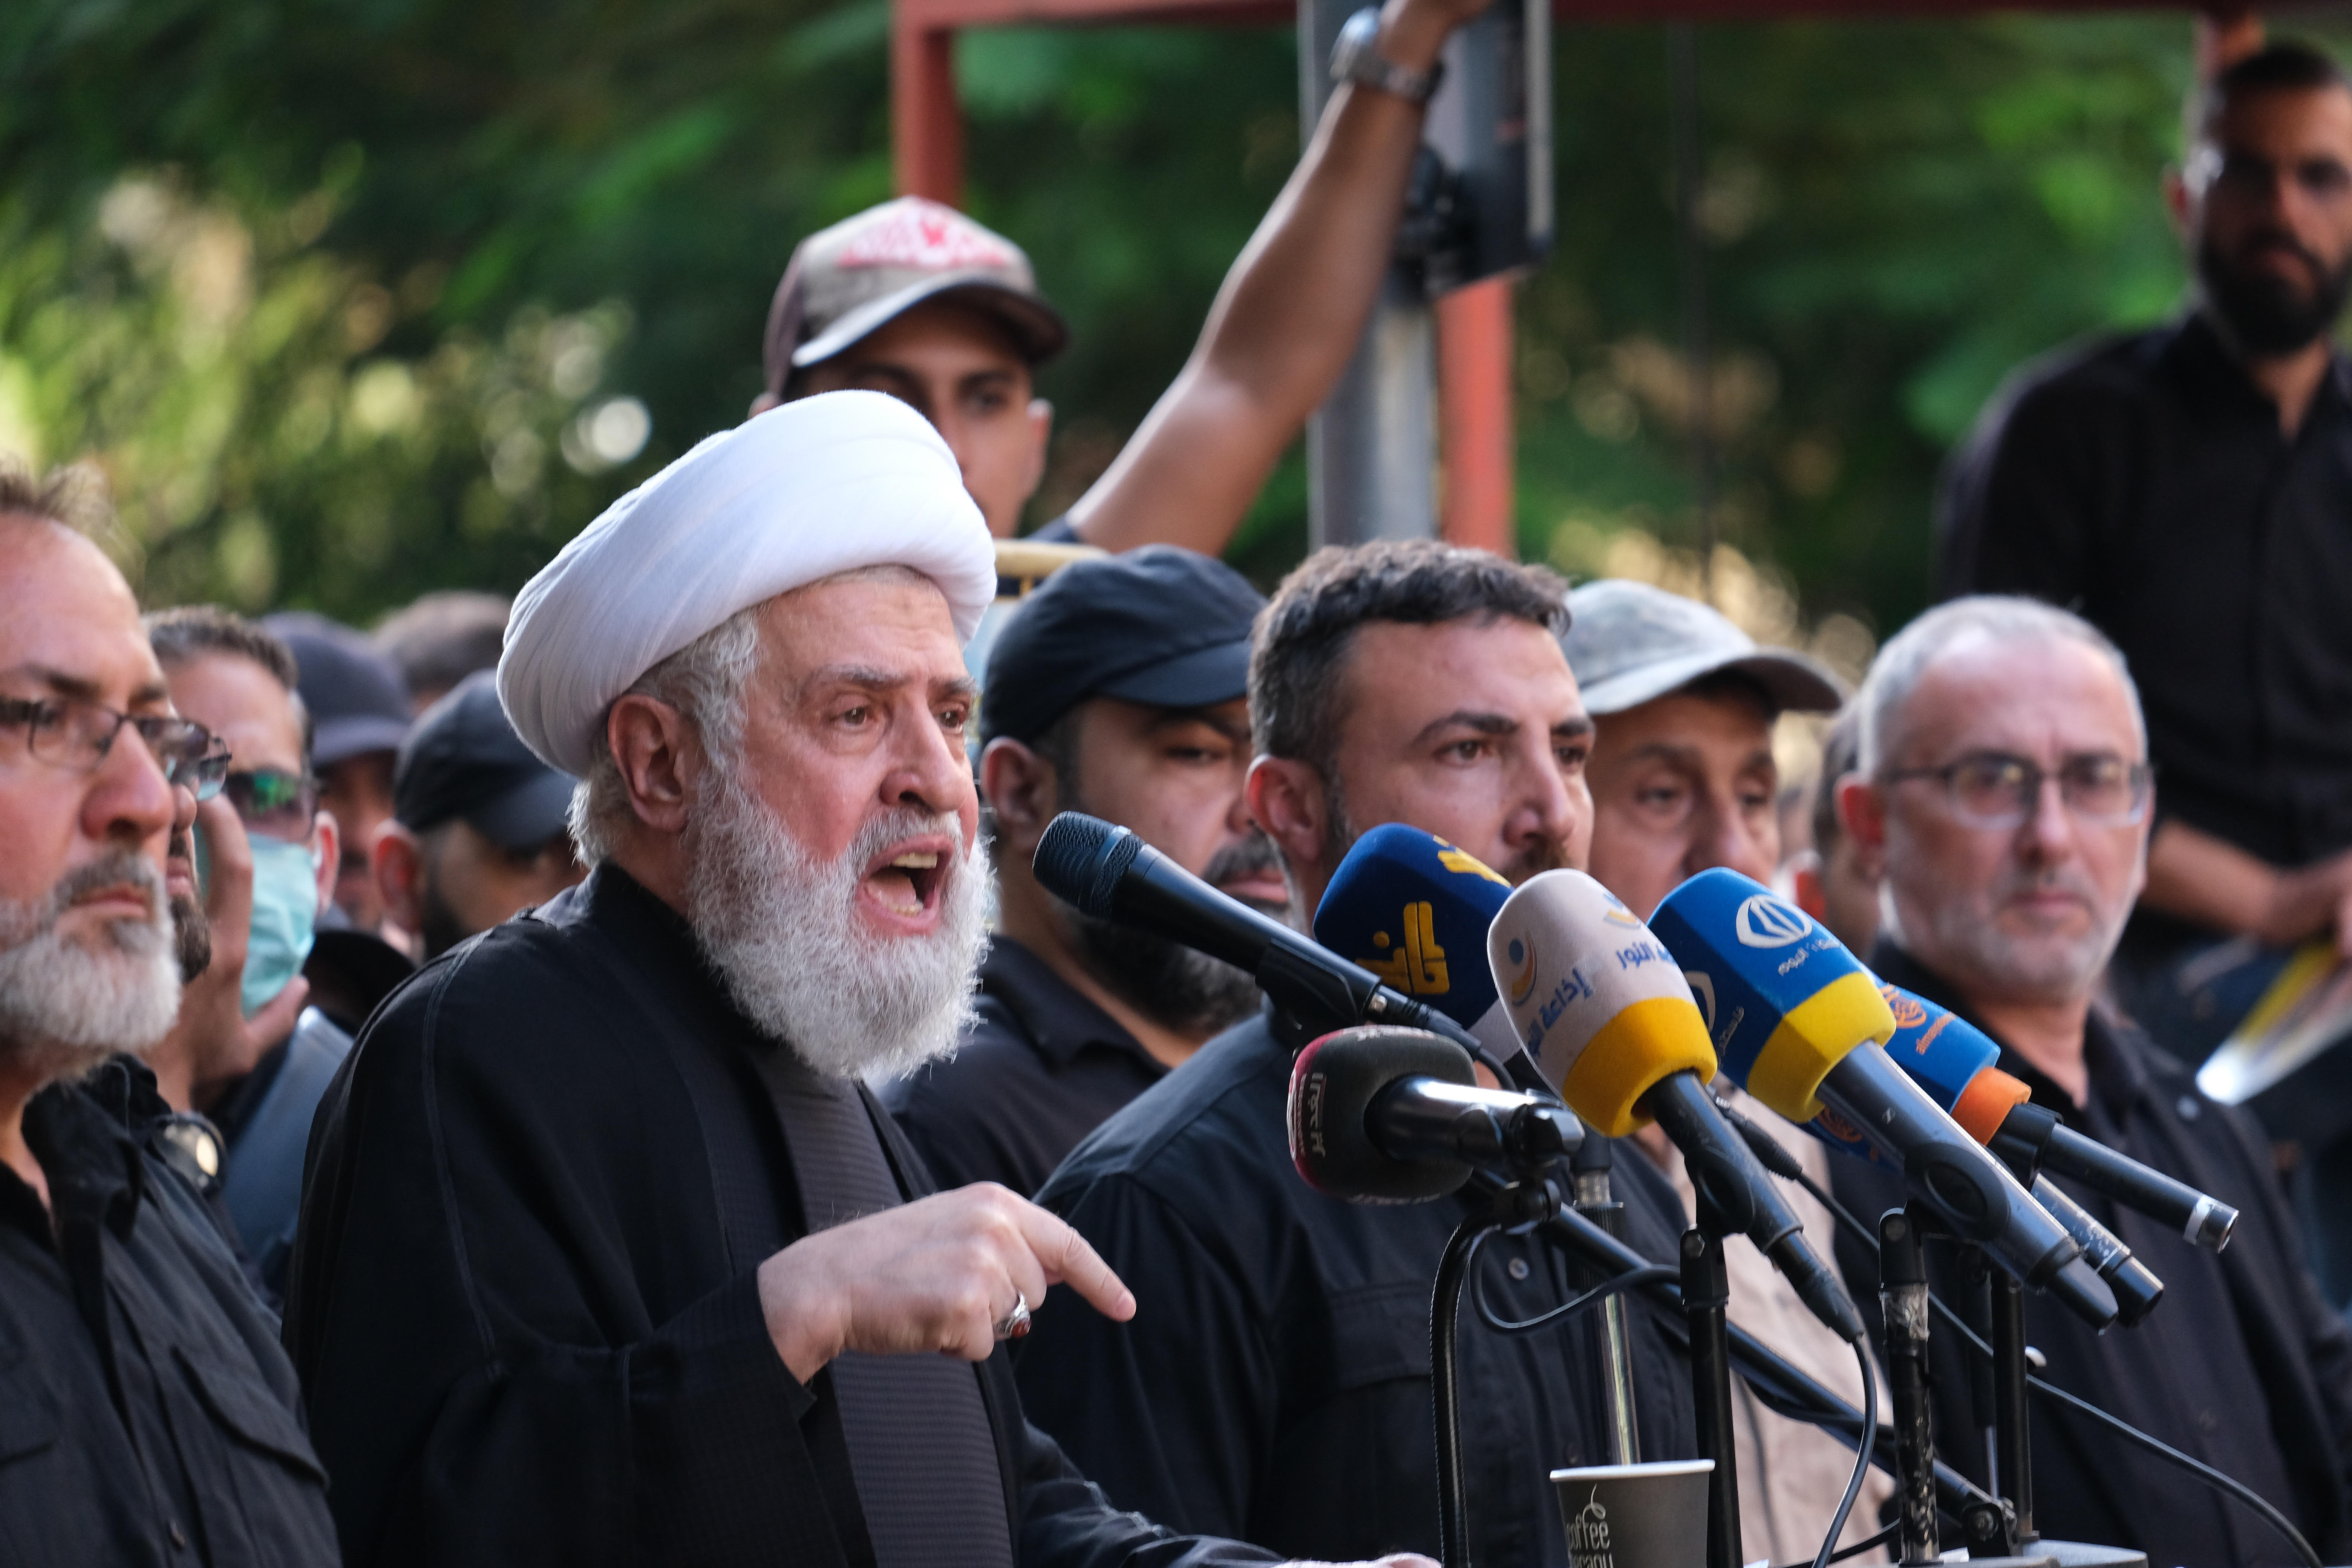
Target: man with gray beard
608,1254
1119,689
146,1413
2002,797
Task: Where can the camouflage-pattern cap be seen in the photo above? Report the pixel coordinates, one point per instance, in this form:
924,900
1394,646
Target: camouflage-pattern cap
845,281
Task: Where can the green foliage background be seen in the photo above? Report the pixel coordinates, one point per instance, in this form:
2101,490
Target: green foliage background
332,290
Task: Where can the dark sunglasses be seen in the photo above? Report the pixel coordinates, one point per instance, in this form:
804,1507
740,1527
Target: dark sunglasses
274,801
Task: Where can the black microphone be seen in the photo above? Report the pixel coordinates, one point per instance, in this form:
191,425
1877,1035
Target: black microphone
1386,1115
1109,873
2136,1288
2206,1221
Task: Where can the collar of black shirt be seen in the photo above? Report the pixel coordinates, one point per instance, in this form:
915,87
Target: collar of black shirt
1057,1017
2124,1069
86,1135
2207,371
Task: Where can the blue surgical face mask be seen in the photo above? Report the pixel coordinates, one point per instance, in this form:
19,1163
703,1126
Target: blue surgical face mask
285,919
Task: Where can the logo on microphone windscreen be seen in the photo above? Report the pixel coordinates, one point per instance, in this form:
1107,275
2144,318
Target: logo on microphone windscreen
1765,921
1615,912
1417,965
1522,954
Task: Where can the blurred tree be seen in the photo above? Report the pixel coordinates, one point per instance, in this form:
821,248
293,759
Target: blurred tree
352,301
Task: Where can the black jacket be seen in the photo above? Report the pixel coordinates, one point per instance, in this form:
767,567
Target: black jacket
1039,1068
2241,1365
1275,1383
524,1299
147,1415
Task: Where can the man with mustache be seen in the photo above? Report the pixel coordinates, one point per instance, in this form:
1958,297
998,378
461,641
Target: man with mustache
146,1413
1279,1386
1117,689
608,1253
2003,796
2186,489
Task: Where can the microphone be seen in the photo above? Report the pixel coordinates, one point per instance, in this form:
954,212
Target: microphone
1384,1115
1109,873
1799,1023
1608,1017
1415,909
1952,1060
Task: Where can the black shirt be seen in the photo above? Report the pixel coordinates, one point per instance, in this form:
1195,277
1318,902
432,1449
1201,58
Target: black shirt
524,1297
2145,483
1040,1067
1274,1382
2240,1366
147,1415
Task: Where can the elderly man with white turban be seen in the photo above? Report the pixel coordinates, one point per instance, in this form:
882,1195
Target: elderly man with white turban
609,1256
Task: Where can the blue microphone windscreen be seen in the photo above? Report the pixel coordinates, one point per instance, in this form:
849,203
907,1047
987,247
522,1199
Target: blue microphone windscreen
1415,909
1784,1001
1942,1052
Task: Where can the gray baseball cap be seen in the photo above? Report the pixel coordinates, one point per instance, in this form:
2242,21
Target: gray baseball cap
1629,643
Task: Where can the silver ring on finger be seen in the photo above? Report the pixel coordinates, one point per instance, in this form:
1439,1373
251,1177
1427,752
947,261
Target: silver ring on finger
1014,1323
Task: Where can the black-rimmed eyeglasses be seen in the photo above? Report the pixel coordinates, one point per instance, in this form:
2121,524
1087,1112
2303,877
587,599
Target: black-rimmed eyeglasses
75,733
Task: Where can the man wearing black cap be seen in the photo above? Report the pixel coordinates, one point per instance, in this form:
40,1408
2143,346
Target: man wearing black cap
1120,689
477,826
360,711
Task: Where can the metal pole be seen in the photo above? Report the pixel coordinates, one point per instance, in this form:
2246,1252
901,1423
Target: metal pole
1903,1297
1371,449
1706,1295
1591,1165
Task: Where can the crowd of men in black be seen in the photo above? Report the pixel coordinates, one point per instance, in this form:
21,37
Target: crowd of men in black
525,1315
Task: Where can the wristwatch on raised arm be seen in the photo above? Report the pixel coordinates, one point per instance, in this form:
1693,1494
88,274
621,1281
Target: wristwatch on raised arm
1356,57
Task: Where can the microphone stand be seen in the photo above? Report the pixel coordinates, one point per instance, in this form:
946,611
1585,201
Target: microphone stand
1588,1168
1530,1197
1706,1296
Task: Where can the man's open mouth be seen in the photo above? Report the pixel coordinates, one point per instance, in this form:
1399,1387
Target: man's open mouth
907,881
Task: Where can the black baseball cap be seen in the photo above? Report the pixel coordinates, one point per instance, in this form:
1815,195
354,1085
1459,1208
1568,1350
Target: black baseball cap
1159,626
464,759
357,699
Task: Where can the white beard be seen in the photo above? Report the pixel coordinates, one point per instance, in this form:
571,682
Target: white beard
66,1005
782,930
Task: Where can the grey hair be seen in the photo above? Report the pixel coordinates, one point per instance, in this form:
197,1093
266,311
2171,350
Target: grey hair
704,680
2003,617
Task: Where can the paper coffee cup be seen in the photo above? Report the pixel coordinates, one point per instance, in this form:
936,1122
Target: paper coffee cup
1636,1515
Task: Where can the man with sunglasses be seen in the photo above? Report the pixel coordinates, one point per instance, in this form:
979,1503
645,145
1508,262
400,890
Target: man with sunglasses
248,1052
2003,796
146,1412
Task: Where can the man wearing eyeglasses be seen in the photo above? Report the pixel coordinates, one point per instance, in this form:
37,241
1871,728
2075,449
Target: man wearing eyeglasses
246,1051
146,1412
2004,797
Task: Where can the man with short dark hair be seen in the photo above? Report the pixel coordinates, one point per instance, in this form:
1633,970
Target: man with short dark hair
2186,489
246,1051
1117,689
913,298
2003,794
146,1413
1279,1385
479,825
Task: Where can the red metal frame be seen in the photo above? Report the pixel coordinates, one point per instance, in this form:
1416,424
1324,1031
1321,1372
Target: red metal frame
1473,324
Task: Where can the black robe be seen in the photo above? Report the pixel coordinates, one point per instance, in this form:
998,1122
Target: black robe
523,1299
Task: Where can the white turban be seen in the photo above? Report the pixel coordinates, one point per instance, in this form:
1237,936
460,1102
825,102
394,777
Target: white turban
824,485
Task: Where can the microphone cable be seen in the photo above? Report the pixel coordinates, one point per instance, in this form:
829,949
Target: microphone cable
2228,1486
1668,1274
